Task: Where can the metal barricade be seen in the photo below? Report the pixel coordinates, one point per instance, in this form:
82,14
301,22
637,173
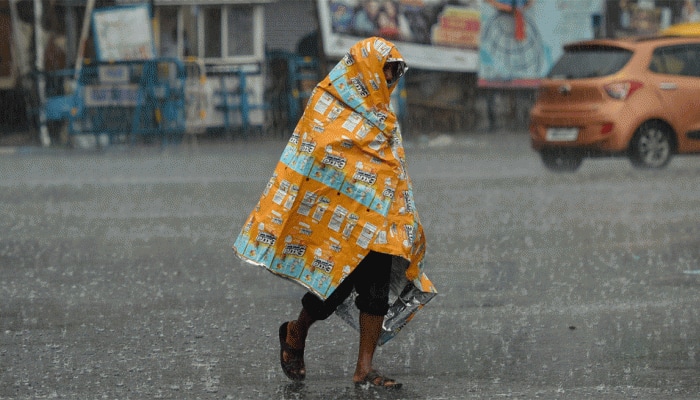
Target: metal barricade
126,102
198,97
235,100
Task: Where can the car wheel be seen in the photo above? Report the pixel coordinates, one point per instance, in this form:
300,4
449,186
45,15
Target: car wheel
651,146
561,160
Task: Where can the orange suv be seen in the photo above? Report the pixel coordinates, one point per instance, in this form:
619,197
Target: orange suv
635,97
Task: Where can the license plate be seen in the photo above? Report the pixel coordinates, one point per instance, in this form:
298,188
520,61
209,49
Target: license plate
562,134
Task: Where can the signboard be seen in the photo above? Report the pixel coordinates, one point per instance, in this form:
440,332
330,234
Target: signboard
648,17
120,95
113,73
440,35
123,33
519,46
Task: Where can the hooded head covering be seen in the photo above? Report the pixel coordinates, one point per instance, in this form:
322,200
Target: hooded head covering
358,80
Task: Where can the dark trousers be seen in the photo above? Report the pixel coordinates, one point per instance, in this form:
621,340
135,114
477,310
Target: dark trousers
371,282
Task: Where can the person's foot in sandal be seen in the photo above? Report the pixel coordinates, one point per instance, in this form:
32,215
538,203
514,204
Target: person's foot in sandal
376,380
291,358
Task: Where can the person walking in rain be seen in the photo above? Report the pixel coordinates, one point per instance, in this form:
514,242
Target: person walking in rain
338,215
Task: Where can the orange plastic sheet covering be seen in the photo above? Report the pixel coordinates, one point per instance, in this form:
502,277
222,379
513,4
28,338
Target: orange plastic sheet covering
341,189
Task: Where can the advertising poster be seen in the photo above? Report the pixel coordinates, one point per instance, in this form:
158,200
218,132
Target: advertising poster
648,17
521,39
440,35
123,33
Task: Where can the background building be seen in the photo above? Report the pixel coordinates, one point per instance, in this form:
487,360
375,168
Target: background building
279,49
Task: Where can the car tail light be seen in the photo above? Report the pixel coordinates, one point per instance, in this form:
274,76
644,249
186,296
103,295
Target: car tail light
622,90
606,128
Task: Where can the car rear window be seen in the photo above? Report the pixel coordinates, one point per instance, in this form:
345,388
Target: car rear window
677,60
589,62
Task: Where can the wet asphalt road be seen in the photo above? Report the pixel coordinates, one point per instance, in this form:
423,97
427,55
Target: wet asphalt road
117,279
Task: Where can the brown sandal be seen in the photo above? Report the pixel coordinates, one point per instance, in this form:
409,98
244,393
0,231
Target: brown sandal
375,379
295,364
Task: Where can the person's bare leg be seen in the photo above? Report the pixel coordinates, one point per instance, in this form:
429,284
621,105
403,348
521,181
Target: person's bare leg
297,331
370,329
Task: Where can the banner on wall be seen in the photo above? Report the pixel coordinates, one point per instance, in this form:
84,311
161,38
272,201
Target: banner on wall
521,39
648,17
123,33
441,35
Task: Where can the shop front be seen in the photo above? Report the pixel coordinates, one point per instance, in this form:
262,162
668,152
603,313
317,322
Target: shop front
220,46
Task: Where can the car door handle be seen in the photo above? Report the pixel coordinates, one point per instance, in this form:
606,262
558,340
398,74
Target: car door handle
668,86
